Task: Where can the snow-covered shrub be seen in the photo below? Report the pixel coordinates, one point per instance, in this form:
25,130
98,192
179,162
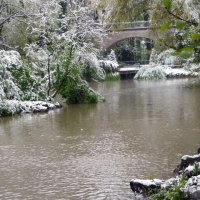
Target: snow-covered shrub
191,65
149,72
112,56
165,58
38,56
178,72
8,108
162,72
18,81
8,61
91,65
110,63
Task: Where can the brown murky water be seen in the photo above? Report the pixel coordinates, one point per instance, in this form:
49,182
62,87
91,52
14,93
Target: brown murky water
91,152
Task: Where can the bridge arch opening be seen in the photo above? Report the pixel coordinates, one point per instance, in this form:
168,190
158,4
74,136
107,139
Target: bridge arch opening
132,50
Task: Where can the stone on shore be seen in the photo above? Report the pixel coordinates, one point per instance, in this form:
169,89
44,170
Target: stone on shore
147,187
186,160
187,181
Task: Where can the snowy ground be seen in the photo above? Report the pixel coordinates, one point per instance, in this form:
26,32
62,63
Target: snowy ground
11,107
178,72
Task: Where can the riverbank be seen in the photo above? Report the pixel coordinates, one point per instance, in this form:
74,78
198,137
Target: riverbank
184,185
164,65
12,107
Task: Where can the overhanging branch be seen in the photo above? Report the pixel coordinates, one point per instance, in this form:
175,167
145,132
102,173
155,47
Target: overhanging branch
194,23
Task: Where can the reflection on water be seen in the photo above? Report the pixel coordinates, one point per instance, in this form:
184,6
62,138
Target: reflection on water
91,152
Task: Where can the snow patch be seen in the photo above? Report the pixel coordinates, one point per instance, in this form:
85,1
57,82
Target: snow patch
186,157
9,59
162,72
164,58
11,107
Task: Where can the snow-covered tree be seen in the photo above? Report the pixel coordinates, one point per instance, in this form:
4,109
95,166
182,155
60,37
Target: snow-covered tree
16,80
8,61
124,11
185,17
13,22
66,38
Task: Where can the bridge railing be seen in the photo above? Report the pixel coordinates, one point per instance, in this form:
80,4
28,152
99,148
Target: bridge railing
127,25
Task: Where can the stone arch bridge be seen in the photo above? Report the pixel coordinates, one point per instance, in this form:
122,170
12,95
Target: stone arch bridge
132,29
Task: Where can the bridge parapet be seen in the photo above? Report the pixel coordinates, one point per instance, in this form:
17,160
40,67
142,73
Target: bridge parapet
121,26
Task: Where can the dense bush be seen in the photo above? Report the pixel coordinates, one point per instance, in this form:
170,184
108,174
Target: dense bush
9,109
149,72
79,94
17,80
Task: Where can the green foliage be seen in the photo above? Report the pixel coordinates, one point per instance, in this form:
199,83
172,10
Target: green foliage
195,36
4,112
27,84
57,45
78,94
187,35
89,74
196,171
69,82
167,4
112,76
22,77
165,26
180,25
174,192
185,52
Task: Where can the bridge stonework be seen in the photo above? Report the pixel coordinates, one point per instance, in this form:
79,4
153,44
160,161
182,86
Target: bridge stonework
113,37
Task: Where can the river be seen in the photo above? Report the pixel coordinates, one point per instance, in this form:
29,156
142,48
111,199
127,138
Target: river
91,152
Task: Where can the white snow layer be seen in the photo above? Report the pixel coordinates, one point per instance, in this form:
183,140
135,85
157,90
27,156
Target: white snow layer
162,72
10,58
185,157
155,182
14,106
165,65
